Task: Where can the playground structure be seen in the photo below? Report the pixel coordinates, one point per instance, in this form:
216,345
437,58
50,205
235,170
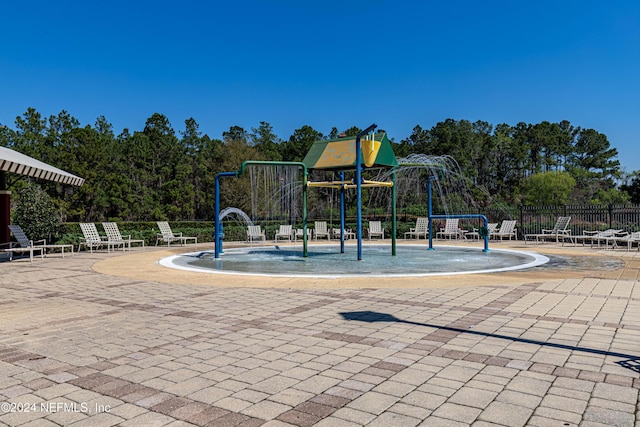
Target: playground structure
339,156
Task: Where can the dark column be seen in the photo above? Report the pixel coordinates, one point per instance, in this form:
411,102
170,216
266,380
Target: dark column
5,209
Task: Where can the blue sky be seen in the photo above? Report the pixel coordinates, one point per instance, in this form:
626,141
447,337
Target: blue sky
332,63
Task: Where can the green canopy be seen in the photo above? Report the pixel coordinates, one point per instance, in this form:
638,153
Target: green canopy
340,154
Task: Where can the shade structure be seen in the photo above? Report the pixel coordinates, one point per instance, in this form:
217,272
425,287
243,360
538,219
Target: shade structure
15,162
340,154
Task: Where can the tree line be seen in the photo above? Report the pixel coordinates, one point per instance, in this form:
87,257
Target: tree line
159,174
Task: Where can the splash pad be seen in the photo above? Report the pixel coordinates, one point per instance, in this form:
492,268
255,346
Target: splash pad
325,261
336,157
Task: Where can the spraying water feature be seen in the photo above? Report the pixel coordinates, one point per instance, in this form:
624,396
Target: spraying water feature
277,187
228,211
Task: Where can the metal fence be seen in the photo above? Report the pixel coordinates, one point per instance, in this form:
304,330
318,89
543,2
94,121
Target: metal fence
583,217
532,219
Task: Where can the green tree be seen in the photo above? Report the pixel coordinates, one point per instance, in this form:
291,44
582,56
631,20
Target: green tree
90,156
547,146
266,141
507,157
169,169
593,164
593,154
353,131
548,188
203,153
299,143
235,133
236,192
417,142
632,187
36,214
29,137
609,196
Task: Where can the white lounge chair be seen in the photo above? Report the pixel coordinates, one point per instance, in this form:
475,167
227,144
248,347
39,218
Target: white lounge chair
348,233
507,229
254,232
22,245
628,239
92,238
320,230
560,229
285,232
593,237
450,229
375,229
25,242
113,234
492,227
167,236
421,228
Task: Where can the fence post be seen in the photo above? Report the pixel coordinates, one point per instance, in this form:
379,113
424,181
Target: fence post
610,215
521,209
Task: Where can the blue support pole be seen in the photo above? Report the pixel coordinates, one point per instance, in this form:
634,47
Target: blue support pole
469,216
462,216
218,235
394,214
342,213
359,187
359,198
430,213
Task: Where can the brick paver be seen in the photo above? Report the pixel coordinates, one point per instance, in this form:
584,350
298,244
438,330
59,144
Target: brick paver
83,348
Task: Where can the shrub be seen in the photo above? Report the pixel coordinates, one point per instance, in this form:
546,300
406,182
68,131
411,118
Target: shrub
36,214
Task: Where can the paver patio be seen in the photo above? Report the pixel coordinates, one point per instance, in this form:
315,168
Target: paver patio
110,339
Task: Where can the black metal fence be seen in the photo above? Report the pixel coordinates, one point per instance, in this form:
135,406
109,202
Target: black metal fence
583,217
532,219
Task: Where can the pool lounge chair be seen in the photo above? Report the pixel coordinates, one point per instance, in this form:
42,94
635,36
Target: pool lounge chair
285,232
626,238
421,228
25,242
593,237
559,230
254,232
113,234
492,227
348,233
21,245
375,229
320,230
167,236
507,229
450,229
92,238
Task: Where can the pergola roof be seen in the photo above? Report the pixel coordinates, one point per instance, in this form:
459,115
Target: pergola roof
15,162
340,154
